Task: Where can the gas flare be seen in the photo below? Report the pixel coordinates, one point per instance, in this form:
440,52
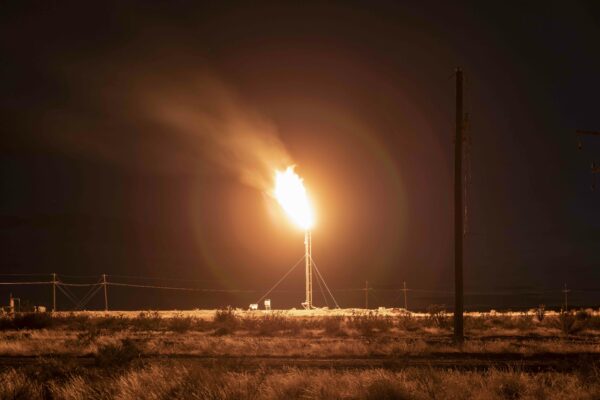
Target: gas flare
291,195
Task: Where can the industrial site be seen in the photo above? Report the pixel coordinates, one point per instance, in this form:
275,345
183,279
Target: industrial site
300,200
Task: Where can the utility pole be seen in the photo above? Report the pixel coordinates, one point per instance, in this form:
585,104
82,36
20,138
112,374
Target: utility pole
405,302
458,212
105,292
53,292
565,291
594,167
366,295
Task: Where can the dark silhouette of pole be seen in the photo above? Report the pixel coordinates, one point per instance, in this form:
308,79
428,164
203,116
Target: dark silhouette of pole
53,292
594,168
458,209
105,292
366,295
405,302
565,291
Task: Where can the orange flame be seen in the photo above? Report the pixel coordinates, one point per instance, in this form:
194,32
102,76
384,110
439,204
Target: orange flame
291,195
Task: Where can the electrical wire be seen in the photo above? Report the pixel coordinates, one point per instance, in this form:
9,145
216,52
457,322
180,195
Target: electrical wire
89,294
59,283
180,288
324,283
68,296
64,287
282,278
161,279
87,298
322,293
77,276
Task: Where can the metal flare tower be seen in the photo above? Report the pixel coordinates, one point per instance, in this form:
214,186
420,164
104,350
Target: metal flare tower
308,303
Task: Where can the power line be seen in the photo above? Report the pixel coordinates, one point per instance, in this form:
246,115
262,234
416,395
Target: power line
337,290
78,277
322,292
94,288
90,294
180,288
68,295
60,283
324,283
282,278
149,278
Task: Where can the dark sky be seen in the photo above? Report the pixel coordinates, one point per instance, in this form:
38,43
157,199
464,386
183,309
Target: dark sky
137,140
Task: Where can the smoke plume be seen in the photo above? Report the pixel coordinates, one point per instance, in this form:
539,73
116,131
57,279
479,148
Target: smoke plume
176,122
210,117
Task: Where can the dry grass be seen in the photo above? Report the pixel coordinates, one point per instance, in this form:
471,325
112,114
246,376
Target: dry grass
231,332
44,343
337,322
300,323
117,341
177,381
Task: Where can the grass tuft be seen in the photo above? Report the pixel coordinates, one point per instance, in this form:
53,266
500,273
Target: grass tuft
26,321
570,324
117,355
225,321
370,323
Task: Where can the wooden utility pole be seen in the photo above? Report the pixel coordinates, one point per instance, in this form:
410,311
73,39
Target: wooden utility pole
565,291
594,167
458,212
53,291
366,295
405,302
105,292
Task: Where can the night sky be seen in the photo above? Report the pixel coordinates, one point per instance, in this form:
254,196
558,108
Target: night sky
140,140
